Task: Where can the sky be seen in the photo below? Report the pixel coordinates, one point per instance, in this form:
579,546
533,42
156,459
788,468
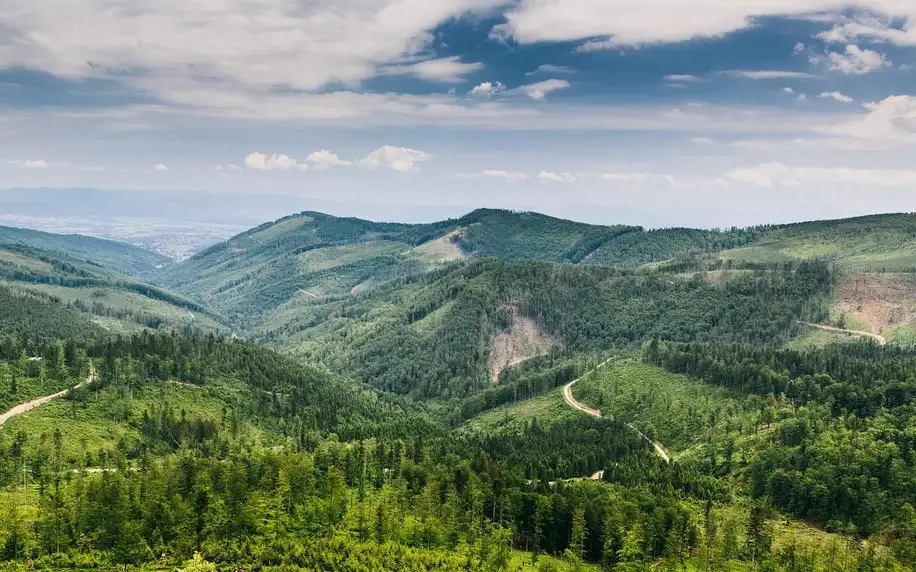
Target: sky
658,112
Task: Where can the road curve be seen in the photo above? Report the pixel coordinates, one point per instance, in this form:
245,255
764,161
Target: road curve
575,404
878,338
36,403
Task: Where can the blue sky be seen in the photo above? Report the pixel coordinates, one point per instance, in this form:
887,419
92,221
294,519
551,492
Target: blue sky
660,112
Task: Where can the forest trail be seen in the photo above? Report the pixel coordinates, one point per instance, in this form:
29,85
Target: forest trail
575,404
878,338
36,403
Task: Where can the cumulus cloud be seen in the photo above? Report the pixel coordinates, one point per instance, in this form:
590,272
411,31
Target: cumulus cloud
487,89
682,78
871,27
778,174
443,70
768,74
263,162
550,176
853,61
890,121
401,159
538,91
625,23
323,159
788,90
511,176
836,95
550,68
30,163
160,168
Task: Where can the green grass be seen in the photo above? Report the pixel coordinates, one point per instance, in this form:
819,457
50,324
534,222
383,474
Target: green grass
815,338
545,408
112,298
675,410
103,420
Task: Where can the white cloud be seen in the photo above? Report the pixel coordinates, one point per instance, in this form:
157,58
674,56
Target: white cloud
768,74
788,90
227,168
870,27
263,162
627,23
837,96
444,70
550,68
323,159
487,89
597,46
538,91
511,176
640,178
890,121
401,159
853,61
30,163
778,174
550,176
683,78
160,168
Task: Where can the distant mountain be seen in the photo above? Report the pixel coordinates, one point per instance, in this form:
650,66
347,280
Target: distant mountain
315,255
117,256
58,295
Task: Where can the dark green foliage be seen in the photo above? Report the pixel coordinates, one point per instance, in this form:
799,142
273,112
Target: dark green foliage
848,453
32,317
514,236
586,308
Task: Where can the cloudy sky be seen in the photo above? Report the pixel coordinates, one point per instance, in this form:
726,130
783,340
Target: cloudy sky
659,112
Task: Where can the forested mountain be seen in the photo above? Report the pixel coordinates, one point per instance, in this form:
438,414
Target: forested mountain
398,405
439,334
120,257
55,282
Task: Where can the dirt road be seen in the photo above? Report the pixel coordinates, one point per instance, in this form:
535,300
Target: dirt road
878,338
36,403
575,404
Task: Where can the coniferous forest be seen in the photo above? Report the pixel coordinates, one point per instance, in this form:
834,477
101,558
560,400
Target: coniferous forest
365,430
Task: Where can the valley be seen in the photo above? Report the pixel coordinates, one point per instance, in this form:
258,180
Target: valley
501,391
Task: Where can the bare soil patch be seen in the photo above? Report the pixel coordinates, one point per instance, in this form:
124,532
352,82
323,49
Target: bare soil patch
878,301
524,340
443,249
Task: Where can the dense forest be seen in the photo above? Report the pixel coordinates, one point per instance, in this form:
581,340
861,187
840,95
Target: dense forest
361,426
843,453
431,336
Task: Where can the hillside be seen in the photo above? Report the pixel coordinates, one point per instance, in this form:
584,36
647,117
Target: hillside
442,333
314,255
869,243
88,293
117,256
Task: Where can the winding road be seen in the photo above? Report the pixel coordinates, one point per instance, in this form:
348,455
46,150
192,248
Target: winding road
36,403
878,338
575,404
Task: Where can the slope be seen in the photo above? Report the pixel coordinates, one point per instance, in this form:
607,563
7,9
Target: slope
321,255
435,335
117,256
876,242
59,285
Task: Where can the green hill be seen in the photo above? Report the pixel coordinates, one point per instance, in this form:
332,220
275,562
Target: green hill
876,242
120,257
58,283
316,255
442,333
